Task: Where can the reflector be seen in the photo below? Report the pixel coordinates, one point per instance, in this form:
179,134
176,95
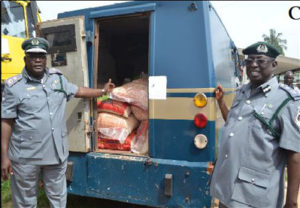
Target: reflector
200,141
200,120
200,100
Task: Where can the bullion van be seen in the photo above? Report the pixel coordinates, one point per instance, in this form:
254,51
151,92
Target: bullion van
184,51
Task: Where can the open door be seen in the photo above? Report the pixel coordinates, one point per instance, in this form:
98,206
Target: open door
67,53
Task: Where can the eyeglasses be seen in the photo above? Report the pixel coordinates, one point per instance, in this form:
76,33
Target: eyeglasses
259,62
36,56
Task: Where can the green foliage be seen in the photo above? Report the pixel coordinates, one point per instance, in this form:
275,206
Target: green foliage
274,39
43,201
5,192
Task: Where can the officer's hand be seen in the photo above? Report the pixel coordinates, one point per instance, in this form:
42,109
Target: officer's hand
219,91
109,86
291,205
6,168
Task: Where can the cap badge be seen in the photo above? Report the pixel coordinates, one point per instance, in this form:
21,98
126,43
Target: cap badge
35,41
262,48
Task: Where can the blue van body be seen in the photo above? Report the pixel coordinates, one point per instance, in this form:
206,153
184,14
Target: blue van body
190,46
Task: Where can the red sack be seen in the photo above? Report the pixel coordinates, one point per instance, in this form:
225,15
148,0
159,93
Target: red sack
114,144
115,107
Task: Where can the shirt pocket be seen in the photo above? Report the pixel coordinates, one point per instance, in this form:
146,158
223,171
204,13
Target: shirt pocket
252,187
30,145
57,97
31,102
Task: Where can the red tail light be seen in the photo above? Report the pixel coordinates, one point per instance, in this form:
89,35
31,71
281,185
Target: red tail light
200,120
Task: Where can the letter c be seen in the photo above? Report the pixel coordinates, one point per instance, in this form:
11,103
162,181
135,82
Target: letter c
291,14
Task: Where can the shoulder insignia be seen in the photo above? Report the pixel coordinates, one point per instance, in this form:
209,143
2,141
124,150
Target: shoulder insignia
292,92
13,80
54,71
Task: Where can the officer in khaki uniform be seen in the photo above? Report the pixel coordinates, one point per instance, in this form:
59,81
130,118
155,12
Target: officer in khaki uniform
34,135
261,136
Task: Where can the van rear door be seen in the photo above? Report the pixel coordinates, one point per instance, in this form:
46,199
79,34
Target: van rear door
67,53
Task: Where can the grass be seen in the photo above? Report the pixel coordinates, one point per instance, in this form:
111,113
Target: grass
5,192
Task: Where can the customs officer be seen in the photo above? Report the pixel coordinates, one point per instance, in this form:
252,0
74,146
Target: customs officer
34,135
261,137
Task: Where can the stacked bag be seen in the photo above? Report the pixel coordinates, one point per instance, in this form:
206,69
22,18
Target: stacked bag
123,120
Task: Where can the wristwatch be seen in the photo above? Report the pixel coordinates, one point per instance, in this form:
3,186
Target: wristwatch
103,91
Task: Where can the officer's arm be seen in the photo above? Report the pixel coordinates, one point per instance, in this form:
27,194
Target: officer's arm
293,169
84,92
219,91
6,130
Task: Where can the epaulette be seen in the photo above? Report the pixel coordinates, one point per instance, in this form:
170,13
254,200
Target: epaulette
13,80
293,93
54,71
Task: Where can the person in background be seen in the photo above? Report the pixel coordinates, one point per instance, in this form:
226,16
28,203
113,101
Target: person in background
33,128
289,79
261,136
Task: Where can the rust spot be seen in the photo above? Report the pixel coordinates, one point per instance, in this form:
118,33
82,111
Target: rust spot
148,162
187,199
210,168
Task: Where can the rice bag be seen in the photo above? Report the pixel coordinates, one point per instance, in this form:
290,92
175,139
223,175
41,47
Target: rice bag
135,92
115,107
112,126
114,144
139,113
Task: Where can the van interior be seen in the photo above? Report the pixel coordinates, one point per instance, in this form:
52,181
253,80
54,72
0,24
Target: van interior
121,53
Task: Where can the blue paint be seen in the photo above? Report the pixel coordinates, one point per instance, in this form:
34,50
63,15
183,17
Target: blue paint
122,11
174,139
220,42
189,95
193,50
131,180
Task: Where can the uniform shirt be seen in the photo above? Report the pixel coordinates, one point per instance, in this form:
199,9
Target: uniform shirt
250,168
296,88
39,134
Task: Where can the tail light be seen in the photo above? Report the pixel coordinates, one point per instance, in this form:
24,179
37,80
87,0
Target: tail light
200,120
200,100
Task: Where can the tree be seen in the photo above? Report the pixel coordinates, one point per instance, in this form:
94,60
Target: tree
275,40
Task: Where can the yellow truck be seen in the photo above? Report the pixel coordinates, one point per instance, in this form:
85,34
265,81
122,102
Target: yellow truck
18,21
